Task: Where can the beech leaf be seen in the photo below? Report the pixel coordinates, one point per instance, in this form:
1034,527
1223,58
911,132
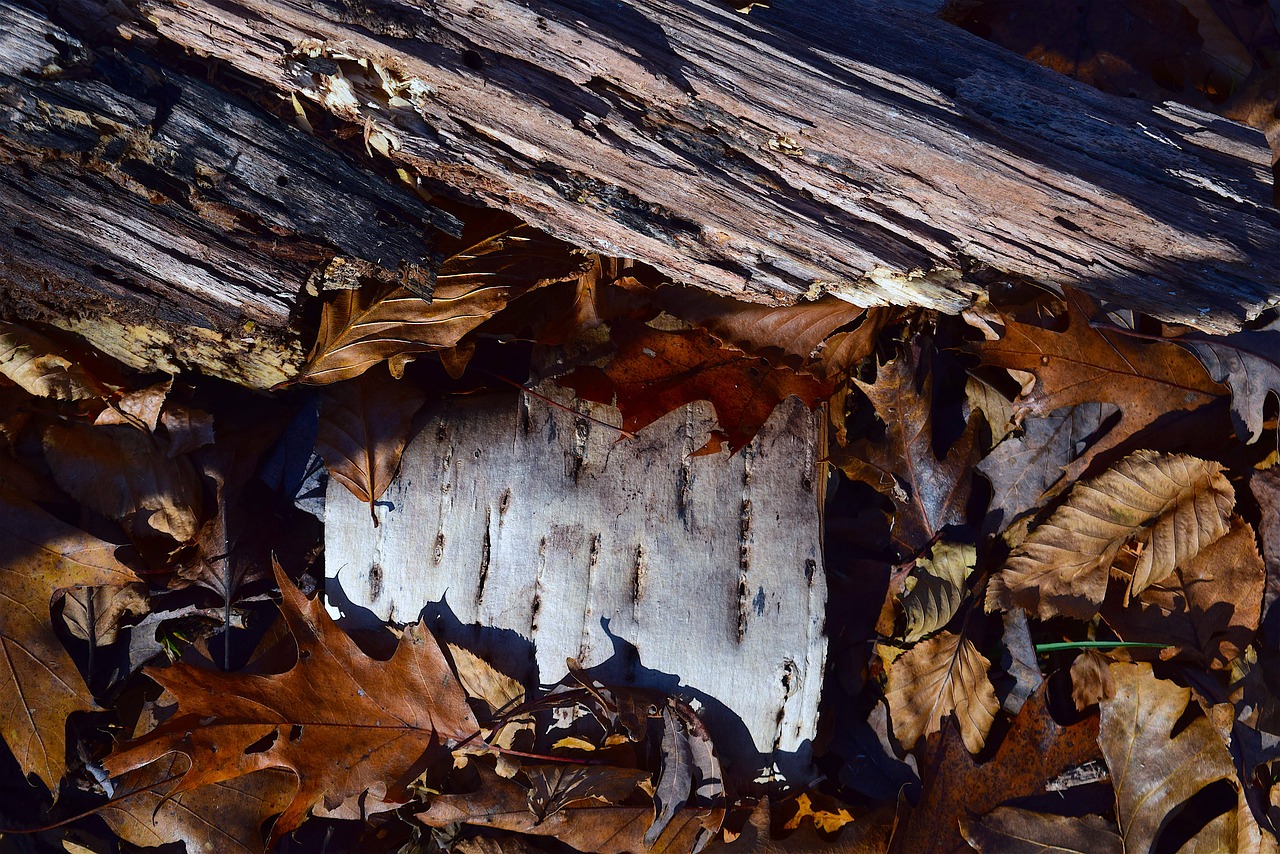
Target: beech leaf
1208,608
364,426
1172,506
126,475
342,722
39,556
943,675
1153,771
40,366
794,330
939,588
360,328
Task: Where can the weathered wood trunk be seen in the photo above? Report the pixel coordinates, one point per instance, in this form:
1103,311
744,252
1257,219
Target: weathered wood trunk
848,147
541,536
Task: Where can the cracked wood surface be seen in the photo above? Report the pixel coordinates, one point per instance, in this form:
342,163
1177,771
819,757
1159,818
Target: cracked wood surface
850,147
701,576
168,223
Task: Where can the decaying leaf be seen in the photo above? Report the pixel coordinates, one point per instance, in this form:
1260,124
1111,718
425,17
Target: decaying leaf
39,556
938,588
41,367
1154,771
140,408
126,475
1035,751
655,372
225,817
675,780
1084,364
930,492
555,787
1010,830
360,328
342,722
364,427
1172,506
943,675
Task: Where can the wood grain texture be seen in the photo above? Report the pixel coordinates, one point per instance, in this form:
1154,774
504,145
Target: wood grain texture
701,576
169,223
850,147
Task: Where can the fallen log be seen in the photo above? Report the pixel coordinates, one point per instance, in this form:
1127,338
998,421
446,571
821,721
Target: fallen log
849,148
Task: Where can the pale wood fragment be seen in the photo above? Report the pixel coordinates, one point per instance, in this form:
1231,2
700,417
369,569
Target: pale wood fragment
700,576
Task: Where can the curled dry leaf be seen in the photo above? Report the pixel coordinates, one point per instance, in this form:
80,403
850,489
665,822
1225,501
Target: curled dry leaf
364,426
1207,609
139,408
94,614
1091,680
39,556
42,368
1083,364
943,675
342,722
360,328
126,475
655,372
938,590
1171,506
1011,830
1153,771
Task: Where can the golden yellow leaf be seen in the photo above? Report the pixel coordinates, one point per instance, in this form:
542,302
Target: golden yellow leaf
938,588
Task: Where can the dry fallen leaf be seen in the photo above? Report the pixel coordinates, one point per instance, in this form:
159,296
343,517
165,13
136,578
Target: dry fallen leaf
930,492
1091,680
867,832
938,590
1010,830
226,817
43,368
364,427
943,675
360,328
126,475
1171,505
600,829
342,722
1245,361
1208,609
1034,751
39,556
1084,364
1153,771
93,614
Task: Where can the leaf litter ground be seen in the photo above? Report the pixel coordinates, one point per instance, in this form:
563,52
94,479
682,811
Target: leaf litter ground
1051,533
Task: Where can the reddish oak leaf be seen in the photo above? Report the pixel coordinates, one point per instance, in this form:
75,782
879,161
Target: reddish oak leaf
342,722
1080,364
656,372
